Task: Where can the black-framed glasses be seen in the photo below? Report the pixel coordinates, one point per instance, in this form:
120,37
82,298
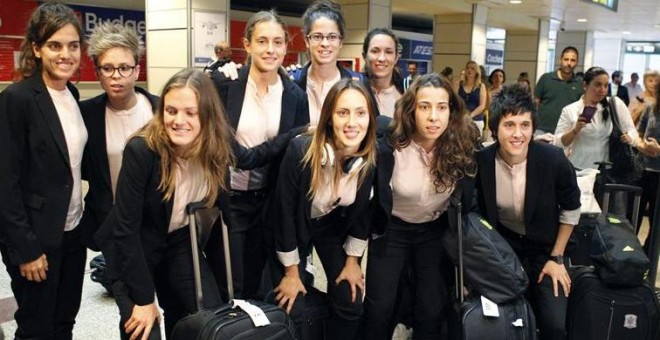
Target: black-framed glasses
108,71
318,37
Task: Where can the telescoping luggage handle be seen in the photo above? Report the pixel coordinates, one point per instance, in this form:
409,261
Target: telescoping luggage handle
637,191
457,207
194,211
191,210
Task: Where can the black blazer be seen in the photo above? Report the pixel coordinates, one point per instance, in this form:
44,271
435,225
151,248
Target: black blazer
382,201
134,236
96,169
551,186
621,93
295,108
36,178
291,211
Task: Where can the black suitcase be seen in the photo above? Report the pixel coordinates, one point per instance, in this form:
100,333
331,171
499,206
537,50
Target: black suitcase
516,319
597,312
227,321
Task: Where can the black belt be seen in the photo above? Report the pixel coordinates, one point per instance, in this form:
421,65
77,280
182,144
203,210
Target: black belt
248,193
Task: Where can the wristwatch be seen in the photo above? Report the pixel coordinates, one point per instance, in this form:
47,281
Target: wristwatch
558,258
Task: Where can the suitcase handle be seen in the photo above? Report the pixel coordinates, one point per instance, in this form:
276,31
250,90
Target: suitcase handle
635,190
191,210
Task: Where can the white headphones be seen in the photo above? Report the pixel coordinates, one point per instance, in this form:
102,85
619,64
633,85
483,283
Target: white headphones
350,166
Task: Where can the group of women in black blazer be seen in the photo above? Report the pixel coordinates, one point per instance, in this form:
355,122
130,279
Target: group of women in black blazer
338,187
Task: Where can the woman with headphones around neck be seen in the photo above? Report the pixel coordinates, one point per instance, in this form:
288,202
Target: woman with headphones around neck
425,156
321,199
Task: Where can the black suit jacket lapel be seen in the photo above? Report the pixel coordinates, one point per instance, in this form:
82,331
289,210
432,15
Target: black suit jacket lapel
533,183
98,143
235,97
489,184
289,102
49,113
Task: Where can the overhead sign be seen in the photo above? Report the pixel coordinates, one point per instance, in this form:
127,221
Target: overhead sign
415,49
643,47
609,4
494,57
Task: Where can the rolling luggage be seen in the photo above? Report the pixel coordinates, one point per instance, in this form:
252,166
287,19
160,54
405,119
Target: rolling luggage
239,319
598,312
610,300
479,319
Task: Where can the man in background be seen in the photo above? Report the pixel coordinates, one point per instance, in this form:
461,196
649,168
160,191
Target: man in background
634,89
222,56
412,74
616,89
557,89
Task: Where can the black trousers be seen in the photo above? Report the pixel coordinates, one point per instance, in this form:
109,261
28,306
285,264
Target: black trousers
418,245
175,285
550,311
247,244
48,309
345,315
649,185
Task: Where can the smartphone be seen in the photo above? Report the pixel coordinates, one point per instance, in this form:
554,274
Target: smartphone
588,113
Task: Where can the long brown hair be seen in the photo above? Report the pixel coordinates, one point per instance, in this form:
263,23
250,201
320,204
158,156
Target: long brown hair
47,19
211,150
454,149
324,134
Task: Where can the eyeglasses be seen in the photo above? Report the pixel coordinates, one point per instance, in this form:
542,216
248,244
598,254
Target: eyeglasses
108,71
318,37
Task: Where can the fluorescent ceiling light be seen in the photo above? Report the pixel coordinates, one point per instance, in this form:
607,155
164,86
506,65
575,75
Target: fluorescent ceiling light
582,20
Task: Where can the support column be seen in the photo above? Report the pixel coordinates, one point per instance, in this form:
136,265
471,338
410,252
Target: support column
609,54
459,38
583,41
526,51
170,36
361,16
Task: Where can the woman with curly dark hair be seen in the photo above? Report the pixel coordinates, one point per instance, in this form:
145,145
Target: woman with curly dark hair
431,141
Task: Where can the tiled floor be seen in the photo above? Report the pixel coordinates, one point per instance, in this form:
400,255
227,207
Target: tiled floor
98,317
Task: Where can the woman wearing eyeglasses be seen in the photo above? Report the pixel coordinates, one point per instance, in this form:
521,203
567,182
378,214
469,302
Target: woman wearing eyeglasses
323,28
111,118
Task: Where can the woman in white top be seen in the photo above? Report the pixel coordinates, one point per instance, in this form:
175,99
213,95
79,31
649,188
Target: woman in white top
382,78
587,139
321,200
183,155
41,203
111,117
426,154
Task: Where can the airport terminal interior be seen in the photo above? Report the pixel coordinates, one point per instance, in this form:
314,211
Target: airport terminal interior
515,35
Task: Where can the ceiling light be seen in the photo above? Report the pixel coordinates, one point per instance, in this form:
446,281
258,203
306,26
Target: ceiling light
582,20
515,2
625,32
657,25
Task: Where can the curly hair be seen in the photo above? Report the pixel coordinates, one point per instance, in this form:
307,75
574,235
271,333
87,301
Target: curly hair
453,156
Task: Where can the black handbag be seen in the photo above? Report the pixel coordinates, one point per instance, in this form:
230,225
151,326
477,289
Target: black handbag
627,165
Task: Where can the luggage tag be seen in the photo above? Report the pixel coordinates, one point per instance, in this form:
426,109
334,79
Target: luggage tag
489,308
255,313
309,267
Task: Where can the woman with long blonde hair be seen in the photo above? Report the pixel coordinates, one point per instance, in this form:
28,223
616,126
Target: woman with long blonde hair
182,155
474,93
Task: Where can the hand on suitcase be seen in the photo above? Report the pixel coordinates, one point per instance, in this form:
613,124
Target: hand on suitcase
288,289
558,275
142,321
352,273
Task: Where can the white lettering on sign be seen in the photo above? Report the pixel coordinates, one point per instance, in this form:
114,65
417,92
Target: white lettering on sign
495,59
91,21
423,50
